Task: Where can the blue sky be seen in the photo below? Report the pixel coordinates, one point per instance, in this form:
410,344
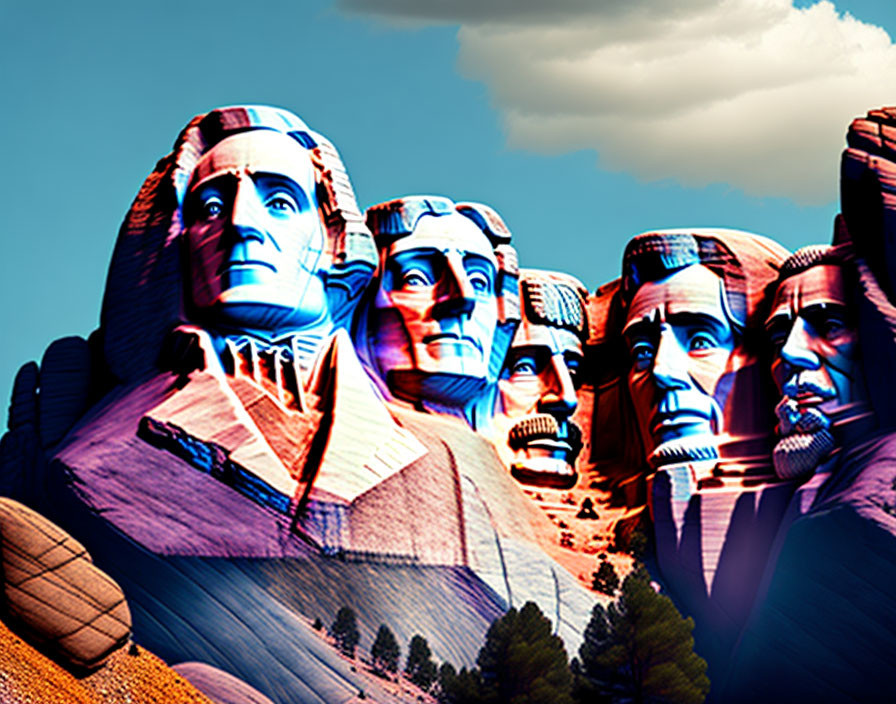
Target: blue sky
641,119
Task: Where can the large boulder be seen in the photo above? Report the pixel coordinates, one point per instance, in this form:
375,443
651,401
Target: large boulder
54,594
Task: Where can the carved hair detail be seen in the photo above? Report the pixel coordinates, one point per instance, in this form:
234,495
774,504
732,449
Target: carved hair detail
745,262
815,255
555,299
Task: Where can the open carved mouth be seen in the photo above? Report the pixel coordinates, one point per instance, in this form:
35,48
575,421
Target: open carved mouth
544,431
808,392
550,447
809,400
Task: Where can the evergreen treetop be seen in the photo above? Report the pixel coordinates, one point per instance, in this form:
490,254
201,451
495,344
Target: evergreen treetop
385,651
641,646
345,631
420,668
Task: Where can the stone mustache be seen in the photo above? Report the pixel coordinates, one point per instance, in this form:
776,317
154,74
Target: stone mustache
287,392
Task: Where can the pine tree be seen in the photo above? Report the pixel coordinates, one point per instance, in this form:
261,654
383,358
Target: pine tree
419,668
605,580
464,687
641,646
522,662
385,651
638,544
446,682
345,631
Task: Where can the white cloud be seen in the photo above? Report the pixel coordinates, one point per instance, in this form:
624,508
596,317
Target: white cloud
754,93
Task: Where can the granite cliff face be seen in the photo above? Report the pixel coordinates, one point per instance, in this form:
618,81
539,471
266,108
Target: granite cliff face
240,484
208,477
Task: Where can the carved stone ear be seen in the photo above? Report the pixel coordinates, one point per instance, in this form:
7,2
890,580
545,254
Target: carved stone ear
345,282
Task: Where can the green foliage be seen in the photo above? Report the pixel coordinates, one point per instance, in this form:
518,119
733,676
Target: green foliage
464,687
446,682
585,690
419,668
522,662
638,544
605,580
385,651
641,647
345,631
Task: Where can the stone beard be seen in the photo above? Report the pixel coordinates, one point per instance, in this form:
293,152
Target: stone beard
812,330
535,435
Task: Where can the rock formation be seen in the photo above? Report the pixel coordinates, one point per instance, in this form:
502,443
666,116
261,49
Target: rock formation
290,407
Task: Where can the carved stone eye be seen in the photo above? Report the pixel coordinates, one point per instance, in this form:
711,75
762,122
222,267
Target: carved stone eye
643,353
524,365
702,341
480,282
282,203
212,207
832,326
415,278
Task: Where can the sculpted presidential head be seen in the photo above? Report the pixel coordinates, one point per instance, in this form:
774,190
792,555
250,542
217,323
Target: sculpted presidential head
254,241
813,331
690,302
249,230
437,325
535,434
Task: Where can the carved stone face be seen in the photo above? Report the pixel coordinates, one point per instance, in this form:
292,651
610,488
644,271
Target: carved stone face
815,365
682,347
436,309
537,392
254,238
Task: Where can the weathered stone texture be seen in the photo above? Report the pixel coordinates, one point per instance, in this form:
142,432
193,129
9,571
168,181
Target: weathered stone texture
219,686
55,593
64,387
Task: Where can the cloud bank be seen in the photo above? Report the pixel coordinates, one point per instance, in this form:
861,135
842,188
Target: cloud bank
754,93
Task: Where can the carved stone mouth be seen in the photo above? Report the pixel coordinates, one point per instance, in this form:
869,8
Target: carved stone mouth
545,429
452,337
551,450
229,266
663,423
685,449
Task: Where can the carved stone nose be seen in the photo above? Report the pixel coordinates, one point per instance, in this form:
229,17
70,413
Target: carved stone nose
670,365
453,308
457,294
559,398
797,350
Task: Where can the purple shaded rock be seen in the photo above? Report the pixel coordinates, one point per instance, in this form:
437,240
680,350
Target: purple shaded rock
823,630
64,387
218,685
23,404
